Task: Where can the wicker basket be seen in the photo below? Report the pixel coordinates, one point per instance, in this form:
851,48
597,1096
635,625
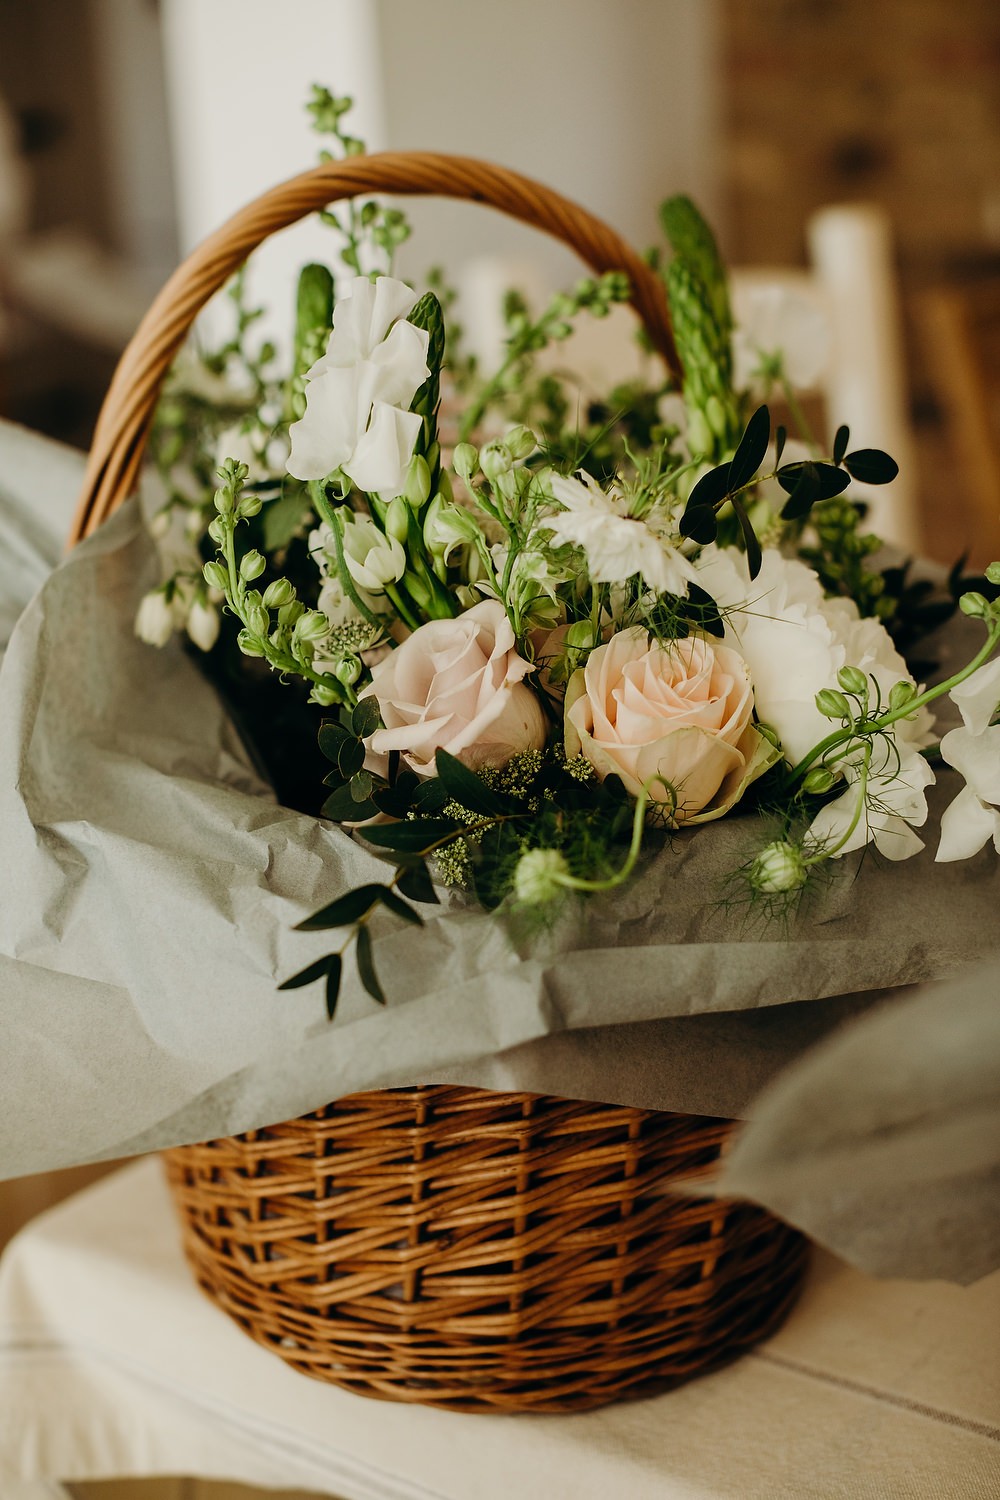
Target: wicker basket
477,1250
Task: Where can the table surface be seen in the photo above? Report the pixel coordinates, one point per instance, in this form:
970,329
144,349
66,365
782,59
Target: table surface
113,1363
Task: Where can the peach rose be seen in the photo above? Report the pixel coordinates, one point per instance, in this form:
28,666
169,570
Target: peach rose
680,712
457,685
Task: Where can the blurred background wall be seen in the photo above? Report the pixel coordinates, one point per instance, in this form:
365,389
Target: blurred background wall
129,128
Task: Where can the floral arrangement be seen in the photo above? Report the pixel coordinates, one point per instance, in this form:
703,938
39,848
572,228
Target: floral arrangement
531,631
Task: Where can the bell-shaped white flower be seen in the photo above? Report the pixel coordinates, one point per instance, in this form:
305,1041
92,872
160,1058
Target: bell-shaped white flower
154,620
895,802
974,816
202,624
373,559
357,416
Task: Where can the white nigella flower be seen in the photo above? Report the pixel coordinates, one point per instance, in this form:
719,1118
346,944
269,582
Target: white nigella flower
974,816
357,416
781,330
617,546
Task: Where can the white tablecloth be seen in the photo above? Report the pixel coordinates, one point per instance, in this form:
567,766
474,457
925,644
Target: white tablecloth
112,1363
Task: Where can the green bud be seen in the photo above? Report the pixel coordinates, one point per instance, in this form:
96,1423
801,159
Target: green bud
224,502
249,505
853,680
519,442
778,868
217,530
993,572
312,625
323,695
258,620
348,671
818,781
249,644
216,575
417,485
278,594
832,705
495,461
976,605
397,519
900,694
770,734
466,462
580,636
700,439
289,613
252,565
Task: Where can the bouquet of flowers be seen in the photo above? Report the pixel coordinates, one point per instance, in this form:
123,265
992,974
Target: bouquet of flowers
512,634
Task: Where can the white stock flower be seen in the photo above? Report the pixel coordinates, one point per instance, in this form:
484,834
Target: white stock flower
154,620
974,816
616,545
373,559
775,324
357,416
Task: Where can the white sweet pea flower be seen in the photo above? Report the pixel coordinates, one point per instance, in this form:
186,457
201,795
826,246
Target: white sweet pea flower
616,545
895,803
357,416
778,330
974,816
978,697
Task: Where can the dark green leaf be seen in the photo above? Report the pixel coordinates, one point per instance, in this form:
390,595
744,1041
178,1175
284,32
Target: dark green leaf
429,798
361,786
754,557
366,966
400,908
703,611
366,718
331,736
832,481
871,466
417,885
466,788
345,911
840,443
341,806
751,449
333,977
711,489
410,837
699,523
780,439
334,778
309,975
397,800
801,483
350,757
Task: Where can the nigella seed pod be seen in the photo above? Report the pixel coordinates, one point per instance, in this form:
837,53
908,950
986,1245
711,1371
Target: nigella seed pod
778,869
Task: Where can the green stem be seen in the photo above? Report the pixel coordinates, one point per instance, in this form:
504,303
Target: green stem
574,883
874,726
798,415
330,516
822,854
401,607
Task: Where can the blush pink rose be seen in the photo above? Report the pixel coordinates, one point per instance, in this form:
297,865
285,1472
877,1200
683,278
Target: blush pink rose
457,685
680,712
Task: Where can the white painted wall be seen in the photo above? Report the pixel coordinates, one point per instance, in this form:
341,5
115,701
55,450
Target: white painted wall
612,101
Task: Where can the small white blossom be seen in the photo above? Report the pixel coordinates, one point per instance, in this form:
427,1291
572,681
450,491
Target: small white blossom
616,545
895,803
780,329
202,624
978,697
373,559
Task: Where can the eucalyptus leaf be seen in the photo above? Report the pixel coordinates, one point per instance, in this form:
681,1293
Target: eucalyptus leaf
342,807
333,977
345,911
401,908
310,974
840,443
871,466
466,788
331,736
750,450
754,555
350,757
411,837
365,718
416,884
366,966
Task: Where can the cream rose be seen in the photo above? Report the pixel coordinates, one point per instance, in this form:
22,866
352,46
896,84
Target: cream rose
679,712
457,685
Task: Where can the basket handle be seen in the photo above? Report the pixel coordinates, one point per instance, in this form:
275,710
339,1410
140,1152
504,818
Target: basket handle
124,421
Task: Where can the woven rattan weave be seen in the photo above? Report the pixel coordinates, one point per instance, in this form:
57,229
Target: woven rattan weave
479,1250
485,1251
